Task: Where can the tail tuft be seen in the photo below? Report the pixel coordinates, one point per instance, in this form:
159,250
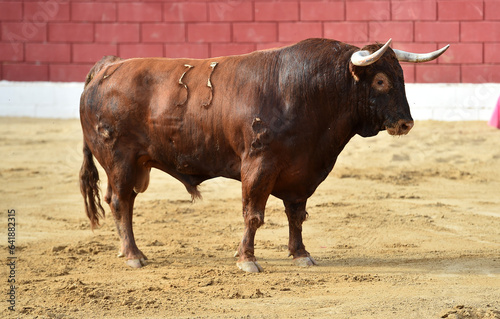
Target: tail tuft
89,186
195,193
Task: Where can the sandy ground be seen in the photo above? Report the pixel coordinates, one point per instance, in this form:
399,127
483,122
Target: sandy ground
404,227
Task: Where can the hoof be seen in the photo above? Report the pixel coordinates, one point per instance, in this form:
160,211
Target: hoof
121,254
305,261
136,263
249,266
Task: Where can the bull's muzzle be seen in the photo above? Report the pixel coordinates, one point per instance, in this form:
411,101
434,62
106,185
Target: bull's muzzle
401,127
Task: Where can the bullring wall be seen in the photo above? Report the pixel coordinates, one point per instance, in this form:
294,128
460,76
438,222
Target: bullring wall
55,40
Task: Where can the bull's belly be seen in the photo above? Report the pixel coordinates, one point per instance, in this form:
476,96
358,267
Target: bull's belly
194,163
201,165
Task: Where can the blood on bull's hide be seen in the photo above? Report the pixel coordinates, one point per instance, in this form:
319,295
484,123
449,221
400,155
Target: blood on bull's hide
275,119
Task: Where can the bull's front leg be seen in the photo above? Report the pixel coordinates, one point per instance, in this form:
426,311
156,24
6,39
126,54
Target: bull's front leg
246,253
257,184
296,213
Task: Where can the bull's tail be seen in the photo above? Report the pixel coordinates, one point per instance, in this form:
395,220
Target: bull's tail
106,60
89,186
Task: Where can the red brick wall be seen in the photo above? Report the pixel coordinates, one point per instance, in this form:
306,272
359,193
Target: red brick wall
59,40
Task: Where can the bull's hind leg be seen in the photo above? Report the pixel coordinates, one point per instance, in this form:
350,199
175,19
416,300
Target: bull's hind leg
257,184
125,181
122,207
107,199
296,213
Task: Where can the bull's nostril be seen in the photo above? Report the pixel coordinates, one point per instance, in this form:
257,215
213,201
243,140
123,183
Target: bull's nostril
406,126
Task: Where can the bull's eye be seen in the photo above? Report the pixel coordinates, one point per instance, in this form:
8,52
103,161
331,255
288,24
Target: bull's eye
381,83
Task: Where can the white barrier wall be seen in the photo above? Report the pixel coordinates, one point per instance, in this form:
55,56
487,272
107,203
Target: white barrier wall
452,102
40,99
445,102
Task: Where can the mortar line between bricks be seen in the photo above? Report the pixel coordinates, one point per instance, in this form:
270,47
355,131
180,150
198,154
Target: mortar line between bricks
390,11
299,13
253,11
117,19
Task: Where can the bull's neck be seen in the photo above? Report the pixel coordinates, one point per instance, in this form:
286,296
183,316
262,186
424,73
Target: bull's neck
321,83
342,108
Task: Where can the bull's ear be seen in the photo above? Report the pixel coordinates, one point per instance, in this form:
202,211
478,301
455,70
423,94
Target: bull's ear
355,71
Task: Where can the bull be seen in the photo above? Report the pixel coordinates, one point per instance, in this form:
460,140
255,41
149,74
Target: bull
276,120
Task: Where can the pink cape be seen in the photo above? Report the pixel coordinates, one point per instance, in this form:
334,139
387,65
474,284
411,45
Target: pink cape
495,118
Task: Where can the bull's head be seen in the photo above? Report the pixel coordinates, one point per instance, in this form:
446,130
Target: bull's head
377,72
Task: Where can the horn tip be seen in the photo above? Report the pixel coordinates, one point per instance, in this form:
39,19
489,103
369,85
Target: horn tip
443,49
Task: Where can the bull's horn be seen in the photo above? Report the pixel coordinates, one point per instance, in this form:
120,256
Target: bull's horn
364,58
419,57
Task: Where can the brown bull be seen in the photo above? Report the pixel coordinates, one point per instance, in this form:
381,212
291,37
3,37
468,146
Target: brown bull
276,120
